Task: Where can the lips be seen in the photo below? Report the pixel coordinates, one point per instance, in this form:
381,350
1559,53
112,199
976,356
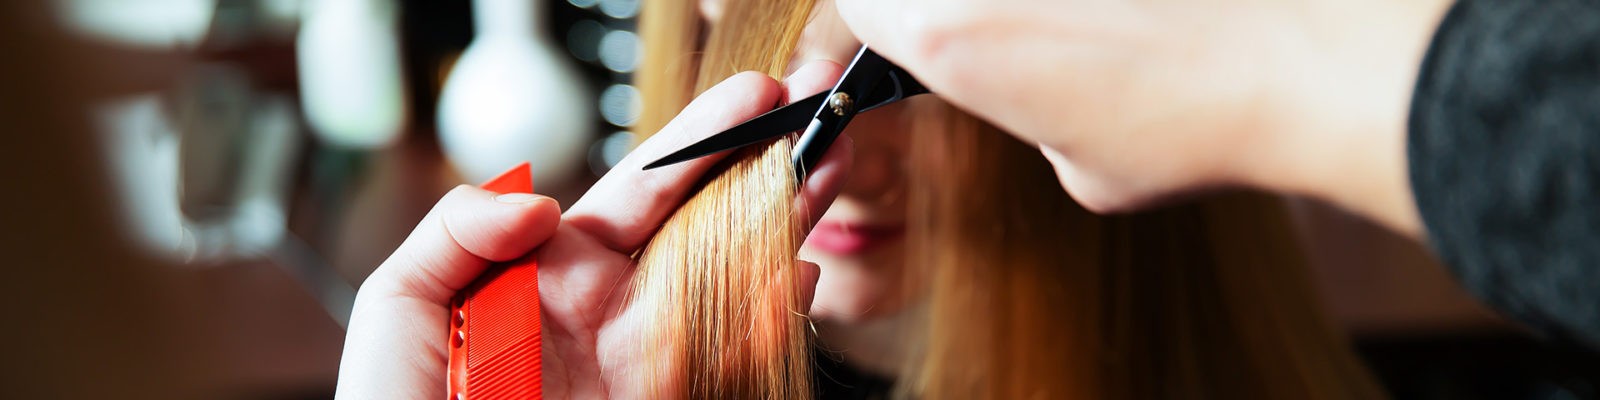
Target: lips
849,239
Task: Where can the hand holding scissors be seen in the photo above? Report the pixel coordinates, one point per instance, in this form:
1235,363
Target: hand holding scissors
1140,102
868,83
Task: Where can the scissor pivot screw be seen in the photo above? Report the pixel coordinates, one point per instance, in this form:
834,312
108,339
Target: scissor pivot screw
841,104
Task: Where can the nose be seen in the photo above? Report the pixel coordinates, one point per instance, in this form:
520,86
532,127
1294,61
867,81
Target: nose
879,171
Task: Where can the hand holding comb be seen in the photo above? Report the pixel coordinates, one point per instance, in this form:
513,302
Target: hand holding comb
495,326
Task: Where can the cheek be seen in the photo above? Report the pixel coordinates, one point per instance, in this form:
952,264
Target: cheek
874,171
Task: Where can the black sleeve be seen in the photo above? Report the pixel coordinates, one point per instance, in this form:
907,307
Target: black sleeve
1504,152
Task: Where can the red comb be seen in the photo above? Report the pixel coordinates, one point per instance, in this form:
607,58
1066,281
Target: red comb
494,323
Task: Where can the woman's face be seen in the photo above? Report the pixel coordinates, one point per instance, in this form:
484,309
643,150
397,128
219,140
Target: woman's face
860,242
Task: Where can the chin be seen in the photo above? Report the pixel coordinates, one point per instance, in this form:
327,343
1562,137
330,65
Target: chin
856,286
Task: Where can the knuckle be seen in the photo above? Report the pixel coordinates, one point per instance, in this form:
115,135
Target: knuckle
940,44
933,33
457,193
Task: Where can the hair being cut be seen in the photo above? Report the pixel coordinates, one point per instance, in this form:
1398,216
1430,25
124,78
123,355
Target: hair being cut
722,268
1027,295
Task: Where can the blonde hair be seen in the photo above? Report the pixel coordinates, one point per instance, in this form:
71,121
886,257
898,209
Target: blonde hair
722,269
1028,296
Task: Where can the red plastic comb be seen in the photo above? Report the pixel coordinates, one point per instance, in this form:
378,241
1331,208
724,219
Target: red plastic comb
495,349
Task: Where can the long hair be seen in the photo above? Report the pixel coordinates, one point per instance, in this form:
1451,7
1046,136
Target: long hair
722,269
1030,296
1027,295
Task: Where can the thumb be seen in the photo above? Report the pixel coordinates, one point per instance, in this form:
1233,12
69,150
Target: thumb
467,230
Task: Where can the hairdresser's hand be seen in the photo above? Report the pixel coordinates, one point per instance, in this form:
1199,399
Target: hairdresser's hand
395,347
1137,102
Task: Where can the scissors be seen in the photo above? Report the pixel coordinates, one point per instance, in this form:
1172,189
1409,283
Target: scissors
868,83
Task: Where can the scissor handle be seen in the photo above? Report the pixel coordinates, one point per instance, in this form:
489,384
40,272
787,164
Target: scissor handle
859,79
897,85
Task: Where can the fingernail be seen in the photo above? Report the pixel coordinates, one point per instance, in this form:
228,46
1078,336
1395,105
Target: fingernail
517,198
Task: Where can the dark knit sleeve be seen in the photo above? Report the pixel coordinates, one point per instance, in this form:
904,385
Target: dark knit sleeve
1504,151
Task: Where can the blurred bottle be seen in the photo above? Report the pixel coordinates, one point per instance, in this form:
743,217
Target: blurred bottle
350,79
162,24
514,97
203,171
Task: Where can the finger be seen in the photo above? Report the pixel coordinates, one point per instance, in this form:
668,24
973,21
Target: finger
1088,190
627,205
881,24
809,273
827,179
824,184
811,78
467,230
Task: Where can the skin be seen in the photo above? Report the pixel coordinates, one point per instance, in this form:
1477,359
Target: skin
1139,103
1146,102
395,347
860,298
857,286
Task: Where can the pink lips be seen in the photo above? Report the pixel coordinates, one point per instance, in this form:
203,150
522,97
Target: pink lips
849,239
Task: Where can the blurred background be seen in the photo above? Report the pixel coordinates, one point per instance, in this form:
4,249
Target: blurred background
195,188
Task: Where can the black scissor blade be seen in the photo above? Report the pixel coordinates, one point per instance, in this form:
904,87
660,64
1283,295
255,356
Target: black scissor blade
775,123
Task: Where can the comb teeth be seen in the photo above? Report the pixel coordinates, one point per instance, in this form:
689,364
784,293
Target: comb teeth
502,335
